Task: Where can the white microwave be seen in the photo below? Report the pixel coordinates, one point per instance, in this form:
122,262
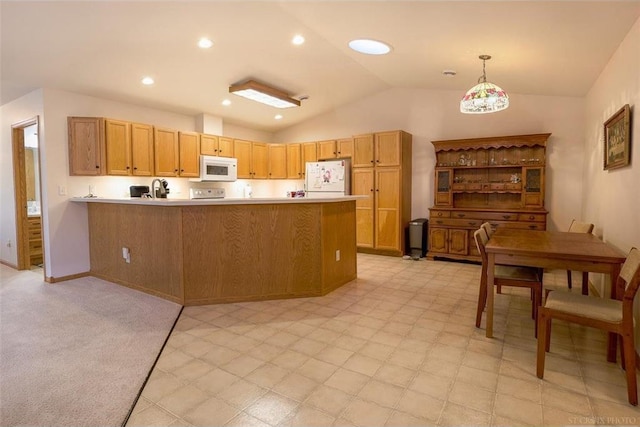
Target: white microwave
214,168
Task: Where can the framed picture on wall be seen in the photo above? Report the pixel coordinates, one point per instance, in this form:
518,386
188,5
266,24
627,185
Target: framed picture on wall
616,139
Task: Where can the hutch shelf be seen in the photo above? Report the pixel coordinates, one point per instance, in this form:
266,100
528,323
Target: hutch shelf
499,180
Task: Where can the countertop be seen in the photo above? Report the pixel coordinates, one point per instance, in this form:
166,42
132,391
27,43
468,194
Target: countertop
224,201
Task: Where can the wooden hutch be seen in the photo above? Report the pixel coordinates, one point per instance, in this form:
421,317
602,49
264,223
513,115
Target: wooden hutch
499,180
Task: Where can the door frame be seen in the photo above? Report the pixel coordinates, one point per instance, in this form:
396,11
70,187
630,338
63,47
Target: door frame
20,189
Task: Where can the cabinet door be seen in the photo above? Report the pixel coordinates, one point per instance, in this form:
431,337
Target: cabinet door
189,143
533,194
362,151
242,150
225,147
439,240
387,209
309,154
208,145
86,145
165,147
277,161
294,165
458,242
387,149
118,147
443,187
142,149
259,160
327,150
345,148
363,186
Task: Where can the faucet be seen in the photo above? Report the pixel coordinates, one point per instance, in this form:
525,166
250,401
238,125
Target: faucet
162,190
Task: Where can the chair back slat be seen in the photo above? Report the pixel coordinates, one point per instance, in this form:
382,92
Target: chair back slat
630,273
580,227
488,229
481,238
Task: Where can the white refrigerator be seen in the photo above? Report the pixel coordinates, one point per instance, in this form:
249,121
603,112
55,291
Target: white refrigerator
330,178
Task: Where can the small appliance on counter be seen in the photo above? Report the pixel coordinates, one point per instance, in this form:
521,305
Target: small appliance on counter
206,193
138,190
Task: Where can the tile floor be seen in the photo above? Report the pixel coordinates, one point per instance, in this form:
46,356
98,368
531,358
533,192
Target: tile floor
396,347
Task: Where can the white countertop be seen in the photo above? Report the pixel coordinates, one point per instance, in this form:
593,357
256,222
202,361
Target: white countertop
224,201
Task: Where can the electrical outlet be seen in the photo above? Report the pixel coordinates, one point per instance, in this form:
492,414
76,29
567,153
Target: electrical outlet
62,190
338,255
126,254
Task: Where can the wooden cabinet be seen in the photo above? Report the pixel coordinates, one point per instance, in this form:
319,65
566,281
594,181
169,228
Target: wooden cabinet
211,145
381,219
118,147
252,159
189,154
362,151
335,149
114,147
277,161
86,145
327,150
165,144
294,161
142,149
499,180
309,154
35,240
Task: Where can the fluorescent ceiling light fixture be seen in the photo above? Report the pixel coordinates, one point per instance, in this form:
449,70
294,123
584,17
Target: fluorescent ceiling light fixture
147,81
226,102
297,40
265,94
369,47
205,43
278,117
484,97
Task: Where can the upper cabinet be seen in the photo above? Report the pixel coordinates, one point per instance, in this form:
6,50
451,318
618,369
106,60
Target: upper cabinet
189,157
212,145
345,148
142,149
118,147
363,151
253,159
166,152
86,145
294,161
277,161
327,150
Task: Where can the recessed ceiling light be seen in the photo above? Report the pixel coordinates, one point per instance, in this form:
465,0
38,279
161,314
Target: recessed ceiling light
147,81
205,43
226,102
278,117
297,40
369,47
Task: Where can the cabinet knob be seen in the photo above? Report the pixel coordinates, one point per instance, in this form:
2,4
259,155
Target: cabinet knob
377,161
334,153
128,167
438,222
439,213
371,161
175,170
377,189
531,217
461,215
506,216
135,168
97,167
533,227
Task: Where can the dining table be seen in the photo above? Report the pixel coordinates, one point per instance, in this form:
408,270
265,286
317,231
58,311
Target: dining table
552,250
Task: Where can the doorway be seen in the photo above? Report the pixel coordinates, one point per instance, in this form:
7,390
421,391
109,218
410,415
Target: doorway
27,190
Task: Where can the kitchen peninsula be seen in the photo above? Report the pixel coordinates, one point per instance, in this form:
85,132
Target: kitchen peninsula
221,250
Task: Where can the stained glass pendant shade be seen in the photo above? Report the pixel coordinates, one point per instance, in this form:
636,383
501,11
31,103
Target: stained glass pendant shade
484,97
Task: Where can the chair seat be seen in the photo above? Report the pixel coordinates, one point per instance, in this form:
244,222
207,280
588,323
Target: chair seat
529,274
608,310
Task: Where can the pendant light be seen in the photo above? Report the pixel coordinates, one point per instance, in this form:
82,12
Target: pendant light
484,97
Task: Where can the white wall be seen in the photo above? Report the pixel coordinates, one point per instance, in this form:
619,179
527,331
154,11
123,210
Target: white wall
432,115
612,198
25,108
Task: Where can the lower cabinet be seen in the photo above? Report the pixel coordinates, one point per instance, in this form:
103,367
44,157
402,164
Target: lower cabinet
451,230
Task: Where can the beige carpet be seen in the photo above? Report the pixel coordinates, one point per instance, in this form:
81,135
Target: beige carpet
75,353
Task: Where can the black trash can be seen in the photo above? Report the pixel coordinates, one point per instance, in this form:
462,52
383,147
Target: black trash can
418,238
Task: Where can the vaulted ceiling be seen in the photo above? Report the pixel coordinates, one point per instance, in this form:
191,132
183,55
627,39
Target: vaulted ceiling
104,48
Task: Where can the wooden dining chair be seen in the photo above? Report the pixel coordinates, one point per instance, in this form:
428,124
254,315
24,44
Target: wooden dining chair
607,314
488,229
580,227
506,275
